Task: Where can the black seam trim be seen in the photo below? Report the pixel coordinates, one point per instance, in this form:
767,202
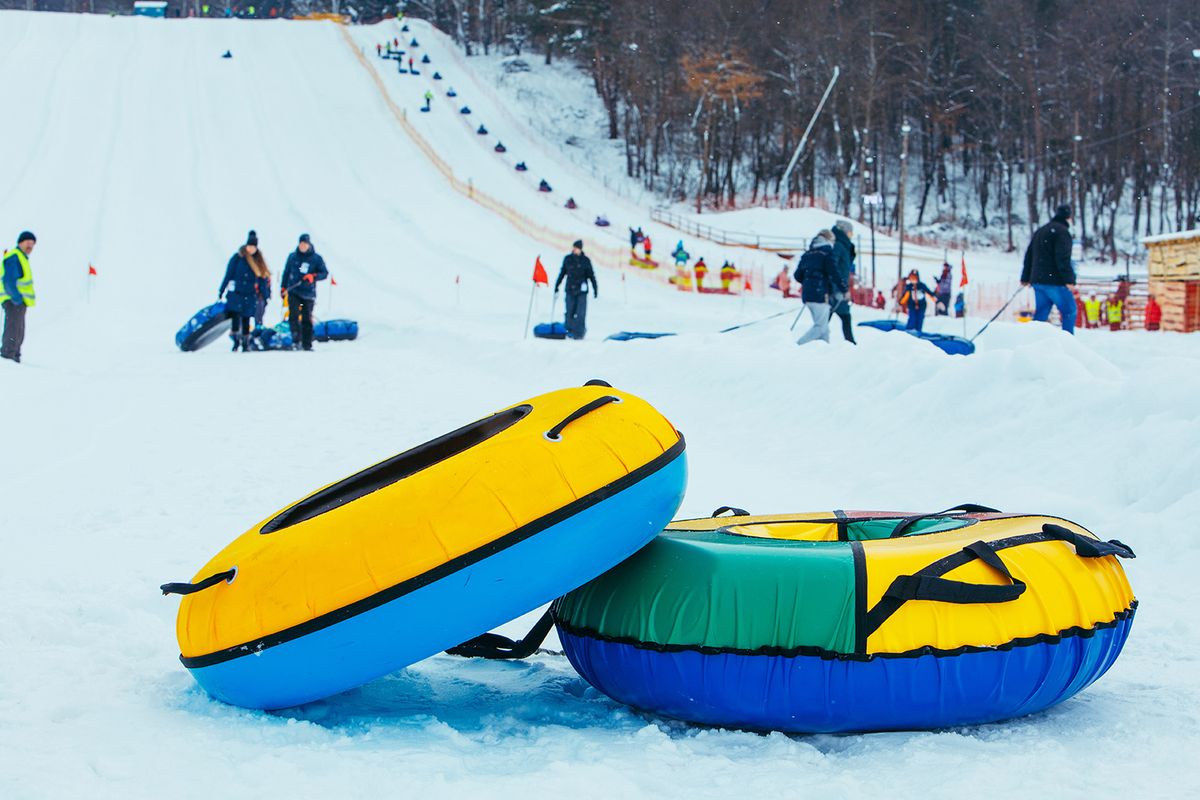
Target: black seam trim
860,597
843,525
831,655
442,570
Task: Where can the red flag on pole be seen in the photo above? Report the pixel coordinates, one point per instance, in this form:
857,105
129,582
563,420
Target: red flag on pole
963,280
332,281
747,287
539,273
92,270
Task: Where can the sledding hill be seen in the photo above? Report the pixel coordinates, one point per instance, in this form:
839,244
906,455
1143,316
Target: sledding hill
132,145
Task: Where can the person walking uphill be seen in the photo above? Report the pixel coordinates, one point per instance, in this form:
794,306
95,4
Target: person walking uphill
1048,269
247,279
844,252
577,273
16,295
304,268
819,280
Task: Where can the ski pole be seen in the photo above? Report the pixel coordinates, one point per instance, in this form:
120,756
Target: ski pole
797,319
997,314
753,322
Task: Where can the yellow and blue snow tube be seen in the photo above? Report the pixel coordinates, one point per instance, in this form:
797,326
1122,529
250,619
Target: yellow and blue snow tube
853,621
430,548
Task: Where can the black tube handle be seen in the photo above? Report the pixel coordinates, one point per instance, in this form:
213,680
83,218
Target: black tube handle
198,586
555,433
495,646
737,512
1086,546
963,508
943,590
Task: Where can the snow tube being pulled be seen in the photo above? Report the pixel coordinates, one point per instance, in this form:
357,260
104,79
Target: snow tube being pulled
430,548
952,345
335,330
853,621
209,324
550,330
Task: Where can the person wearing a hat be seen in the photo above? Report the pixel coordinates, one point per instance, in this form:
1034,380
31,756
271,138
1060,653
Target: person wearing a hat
304,268
247,279
16,295
576,272
1049,270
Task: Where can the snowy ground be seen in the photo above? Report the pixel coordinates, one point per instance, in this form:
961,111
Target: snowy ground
129,464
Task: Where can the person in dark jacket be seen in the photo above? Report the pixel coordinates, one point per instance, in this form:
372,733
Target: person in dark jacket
247,279
912,300
819,280
304,268
942,292
844,252
577,273
1048,269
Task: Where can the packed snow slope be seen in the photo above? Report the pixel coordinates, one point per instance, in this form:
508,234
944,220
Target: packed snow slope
133,146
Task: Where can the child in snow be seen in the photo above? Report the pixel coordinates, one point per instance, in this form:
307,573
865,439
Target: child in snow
912,300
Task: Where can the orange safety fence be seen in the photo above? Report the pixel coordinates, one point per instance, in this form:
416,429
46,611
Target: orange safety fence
601,253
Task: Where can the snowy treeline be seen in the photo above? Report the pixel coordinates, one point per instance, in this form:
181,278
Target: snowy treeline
1013,106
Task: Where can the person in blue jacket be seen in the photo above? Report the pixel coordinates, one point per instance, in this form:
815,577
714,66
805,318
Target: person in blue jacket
304,268
913,300
247,280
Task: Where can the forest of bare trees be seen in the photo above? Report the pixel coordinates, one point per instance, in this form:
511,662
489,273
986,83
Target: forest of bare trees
1013,106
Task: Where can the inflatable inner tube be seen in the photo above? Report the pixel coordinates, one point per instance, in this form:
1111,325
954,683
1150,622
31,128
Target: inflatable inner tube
853,621
431,547
209,324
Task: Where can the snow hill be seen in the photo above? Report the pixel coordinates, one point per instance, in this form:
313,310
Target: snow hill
131,145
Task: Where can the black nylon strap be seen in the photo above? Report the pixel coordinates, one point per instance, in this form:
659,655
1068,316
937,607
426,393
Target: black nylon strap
737,512
555,433
599,382
943,590
189,588
1086,546
962,508
495,646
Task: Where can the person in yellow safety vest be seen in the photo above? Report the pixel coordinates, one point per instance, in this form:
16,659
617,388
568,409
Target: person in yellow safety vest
1115,307
701,269
204,9
1091,308
16,295
728,274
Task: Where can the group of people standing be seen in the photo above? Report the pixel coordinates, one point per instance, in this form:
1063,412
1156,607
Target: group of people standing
246,290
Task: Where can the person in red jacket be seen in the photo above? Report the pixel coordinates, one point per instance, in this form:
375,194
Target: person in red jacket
646,245
1153,314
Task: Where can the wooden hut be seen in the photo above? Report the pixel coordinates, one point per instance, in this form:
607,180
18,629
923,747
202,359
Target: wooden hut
1174,267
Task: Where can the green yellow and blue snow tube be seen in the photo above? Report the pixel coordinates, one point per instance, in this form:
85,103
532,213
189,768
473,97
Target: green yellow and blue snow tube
853,621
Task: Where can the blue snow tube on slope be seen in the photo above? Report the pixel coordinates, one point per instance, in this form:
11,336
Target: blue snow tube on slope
208,325
625,336
953,345
335,330
550,330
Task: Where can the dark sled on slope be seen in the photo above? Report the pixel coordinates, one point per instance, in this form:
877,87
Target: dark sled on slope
952,345
208,325
625,336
